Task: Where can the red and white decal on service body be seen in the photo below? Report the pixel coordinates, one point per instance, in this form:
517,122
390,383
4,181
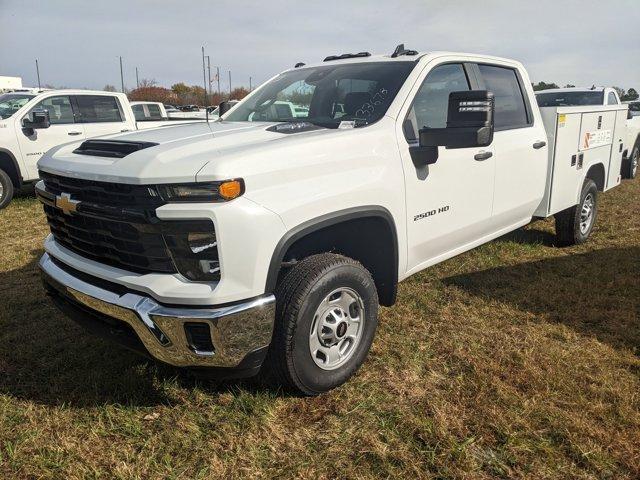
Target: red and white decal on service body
595,139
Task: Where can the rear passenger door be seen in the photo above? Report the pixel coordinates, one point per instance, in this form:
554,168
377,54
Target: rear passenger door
100,114
519,145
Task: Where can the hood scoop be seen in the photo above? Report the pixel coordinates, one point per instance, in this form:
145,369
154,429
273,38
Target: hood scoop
111,148
293,127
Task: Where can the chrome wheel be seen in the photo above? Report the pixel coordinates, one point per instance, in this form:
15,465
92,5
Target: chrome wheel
586,213
1,191
634,162
337,328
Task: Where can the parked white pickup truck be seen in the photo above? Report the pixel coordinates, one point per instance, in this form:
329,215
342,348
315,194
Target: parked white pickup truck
576,96
32,123
269,243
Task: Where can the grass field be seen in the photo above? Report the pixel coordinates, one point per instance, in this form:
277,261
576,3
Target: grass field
515,360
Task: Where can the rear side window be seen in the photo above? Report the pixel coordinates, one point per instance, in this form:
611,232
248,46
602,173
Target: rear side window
98,109
154,112
611,99
138,112
511,110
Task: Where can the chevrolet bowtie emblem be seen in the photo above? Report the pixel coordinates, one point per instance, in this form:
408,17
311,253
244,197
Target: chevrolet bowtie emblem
64,203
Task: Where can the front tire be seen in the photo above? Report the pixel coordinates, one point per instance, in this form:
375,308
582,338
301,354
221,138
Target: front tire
6,189
326,318
574,225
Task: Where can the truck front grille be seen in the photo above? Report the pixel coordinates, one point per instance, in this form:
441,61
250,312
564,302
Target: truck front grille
137,247
116,224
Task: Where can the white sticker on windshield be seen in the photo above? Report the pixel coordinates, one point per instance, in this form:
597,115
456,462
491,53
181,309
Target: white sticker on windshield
347,124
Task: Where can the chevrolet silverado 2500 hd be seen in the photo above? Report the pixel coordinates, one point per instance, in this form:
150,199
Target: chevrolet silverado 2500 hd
267,241
33,122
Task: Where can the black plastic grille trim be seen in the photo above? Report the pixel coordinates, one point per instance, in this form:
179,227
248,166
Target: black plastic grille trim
103,193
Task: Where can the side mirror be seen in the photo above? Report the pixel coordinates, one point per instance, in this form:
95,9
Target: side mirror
469,124
224,107
36,119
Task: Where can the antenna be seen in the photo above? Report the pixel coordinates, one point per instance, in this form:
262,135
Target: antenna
400,50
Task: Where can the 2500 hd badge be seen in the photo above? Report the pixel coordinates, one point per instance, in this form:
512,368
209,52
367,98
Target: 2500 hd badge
431,213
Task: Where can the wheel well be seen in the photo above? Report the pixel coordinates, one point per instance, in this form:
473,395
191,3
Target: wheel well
368,238
8,164
596,173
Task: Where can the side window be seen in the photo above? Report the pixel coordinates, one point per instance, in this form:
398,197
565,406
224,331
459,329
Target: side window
138,112
430,105
98,109
611,99
511,111
154,112
59,108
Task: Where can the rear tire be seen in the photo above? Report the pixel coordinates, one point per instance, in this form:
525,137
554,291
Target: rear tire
6,189
326,318
574,225
632,163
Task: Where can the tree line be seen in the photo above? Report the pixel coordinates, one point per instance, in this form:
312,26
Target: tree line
179,94
625,96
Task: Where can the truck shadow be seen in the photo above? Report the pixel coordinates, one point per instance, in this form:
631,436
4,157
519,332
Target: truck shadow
46,358
594,293
529,236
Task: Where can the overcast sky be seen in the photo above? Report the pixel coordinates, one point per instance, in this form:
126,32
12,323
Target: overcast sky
77,42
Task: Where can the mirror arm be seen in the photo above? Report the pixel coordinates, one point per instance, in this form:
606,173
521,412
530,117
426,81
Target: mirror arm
423,156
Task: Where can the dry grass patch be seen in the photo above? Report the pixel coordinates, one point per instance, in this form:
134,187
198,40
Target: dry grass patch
515,360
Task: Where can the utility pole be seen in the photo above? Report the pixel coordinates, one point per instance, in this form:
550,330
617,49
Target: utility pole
204,78
218,77
250,84
38,73
121,75
137,81
229,82
209,73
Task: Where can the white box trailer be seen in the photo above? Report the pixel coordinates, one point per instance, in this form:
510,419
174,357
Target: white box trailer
10,83
579,138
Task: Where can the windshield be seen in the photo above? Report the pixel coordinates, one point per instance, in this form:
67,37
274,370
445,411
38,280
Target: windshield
10,103
634,107
326,95
570,99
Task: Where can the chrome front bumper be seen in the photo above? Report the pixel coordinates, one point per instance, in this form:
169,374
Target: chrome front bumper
237,330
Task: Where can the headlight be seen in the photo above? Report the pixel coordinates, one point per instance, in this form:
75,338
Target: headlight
202,192
194,248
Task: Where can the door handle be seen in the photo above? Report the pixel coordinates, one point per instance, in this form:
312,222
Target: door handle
125,130
483,156
74,133
538,145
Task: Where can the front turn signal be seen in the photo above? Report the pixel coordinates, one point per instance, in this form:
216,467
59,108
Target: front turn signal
230,189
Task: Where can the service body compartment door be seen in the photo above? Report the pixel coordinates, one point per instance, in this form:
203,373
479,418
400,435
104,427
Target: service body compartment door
564,166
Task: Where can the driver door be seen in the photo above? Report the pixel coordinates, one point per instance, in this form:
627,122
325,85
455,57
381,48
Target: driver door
449,202
63,129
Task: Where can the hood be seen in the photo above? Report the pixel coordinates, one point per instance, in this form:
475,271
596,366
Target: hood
180,152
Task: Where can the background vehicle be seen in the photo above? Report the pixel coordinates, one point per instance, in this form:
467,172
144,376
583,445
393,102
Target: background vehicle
32,123
599,96
154,114
267,241
188,112
634,108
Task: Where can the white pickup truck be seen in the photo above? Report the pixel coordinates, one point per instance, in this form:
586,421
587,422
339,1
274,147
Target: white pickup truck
263,242
576,96
32,123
